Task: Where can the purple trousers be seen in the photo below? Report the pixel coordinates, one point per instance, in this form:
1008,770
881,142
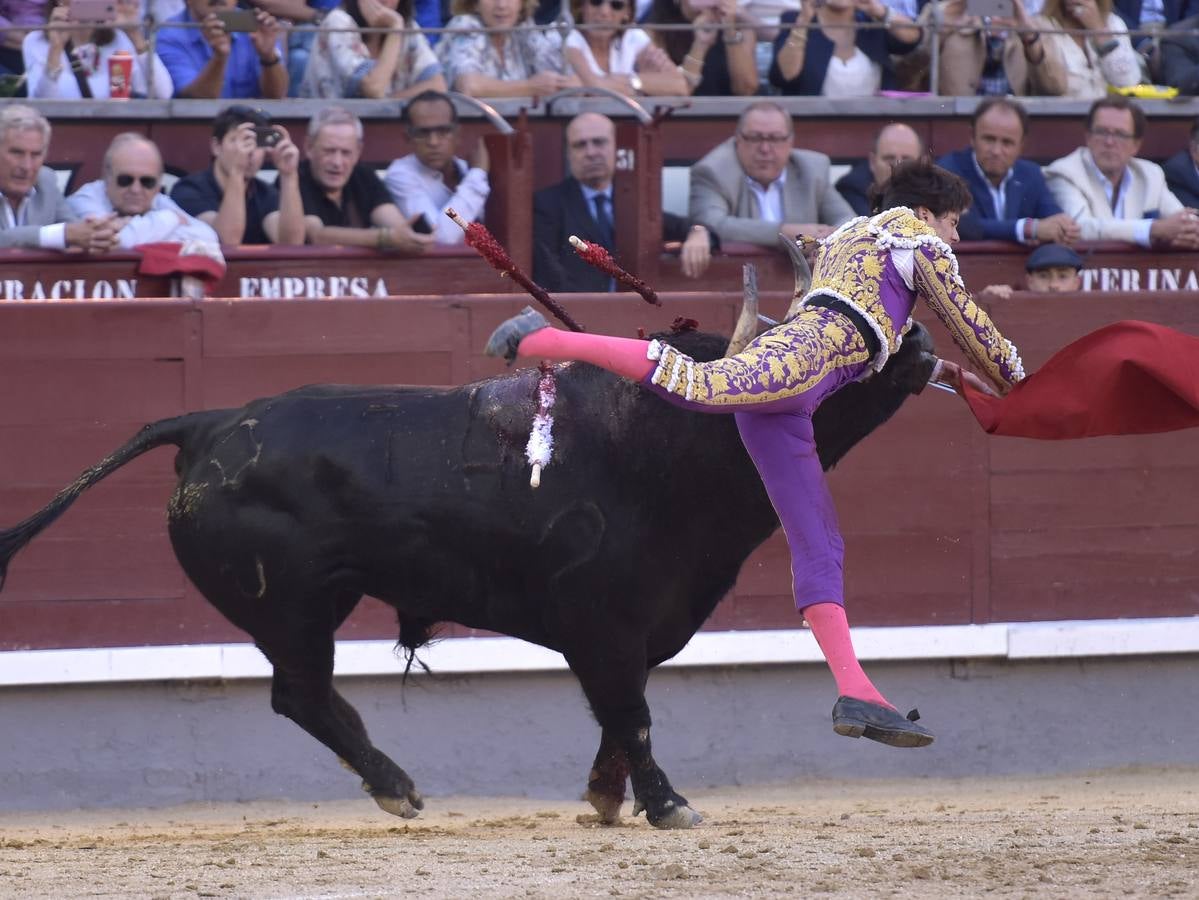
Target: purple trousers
773,387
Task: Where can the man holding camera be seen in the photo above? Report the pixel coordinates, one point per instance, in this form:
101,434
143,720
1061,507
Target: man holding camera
228,195
235,54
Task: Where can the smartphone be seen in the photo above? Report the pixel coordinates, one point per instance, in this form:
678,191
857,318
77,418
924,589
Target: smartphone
92,12
238,20
994,9
421,225
267,135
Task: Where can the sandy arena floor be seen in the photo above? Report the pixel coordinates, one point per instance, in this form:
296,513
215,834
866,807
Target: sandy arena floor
1110,834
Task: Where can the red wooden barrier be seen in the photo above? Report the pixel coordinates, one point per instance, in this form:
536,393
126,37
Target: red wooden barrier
943,524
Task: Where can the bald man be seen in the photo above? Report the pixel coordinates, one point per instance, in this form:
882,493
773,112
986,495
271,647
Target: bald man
895,143
582,205
132,188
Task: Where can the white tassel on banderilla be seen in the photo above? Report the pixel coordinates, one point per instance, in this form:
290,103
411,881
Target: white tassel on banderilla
540,448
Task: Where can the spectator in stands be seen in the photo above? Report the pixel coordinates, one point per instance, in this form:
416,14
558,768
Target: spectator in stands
210,62
33,213
895,143
345,63
991,57
1111,194
1179,56
518,60
1011,200
608,53
1155,17
756,185
299,43
131,187
581,204
73,63
716,58
1182,171
230,196
1050,269
431,178
16,17
820,50
345,202
1082,66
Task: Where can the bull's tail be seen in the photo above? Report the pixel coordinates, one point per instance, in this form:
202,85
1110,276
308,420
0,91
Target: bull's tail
167,431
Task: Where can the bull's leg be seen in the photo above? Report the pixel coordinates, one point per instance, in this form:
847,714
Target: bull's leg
606,783
303,691
614,684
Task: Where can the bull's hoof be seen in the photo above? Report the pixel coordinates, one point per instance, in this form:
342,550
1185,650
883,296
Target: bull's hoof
606,805
677,817
404,807
505,340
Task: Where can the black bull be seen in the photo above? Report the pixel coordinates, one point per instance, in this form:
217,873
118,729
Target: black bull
289,510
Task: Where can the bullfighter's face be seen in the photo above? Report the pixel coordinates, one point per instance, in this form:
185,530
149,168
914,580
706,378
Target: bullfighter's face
946,226
333,152
763,144
591,148
133,178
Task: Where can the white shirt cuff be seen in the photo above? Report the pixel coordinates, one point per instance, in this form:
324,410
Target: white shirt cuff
53,237
1141,235
1020,232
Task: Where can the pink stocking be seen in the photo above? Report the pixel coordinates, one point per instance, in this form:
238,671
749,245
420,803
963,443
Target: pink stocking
832,634
624,356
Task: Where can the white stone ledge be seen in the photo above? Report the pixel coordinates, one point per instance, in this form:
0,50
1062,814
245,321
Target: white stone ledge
464,656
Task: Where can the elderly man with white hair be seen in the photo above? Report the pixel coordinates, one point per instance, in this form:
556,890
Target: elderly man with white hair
33,213
131,188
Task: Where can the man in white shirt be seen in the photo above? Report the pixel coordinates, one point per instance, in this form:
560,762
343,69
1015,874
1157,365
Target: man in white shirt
33,213
1112,195
131,187
757,185
431,178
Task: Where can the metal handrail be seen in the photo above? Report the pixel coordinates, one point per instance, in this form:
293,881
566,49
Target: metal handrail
636,108
497,121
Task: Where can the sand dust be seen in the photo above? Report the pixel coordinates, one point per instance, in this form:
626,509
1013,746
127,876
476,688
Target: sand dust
1107,834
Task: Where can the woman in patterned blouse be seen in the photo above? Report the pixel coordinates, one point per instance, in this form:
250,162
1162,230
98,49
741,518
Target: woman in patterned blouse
867,278
511,58
346,63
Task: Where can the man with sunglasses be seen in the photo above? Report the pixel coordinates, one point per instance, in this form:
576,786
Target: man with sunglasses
757,185
431,178
131,188
1112,195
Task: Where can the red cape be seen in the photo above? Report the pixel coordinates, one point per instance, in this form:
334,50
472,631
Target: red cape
1126,378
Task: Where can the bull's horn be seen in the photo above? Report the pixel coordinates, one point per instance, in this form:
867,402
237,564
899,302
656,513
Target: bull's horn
803,274
747,322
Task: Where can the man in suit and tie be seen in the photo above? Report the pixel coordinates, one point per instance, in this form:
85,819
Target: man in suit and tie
756,185
1011,200
1182,171
582,205
33,213
1111,194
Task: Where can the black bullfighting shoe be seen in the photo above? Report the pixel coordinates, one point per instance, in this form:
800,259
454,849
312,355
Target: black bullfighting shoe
859,718
505,340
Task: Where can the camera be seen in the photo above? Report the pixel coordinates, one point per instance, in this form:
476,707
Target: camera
267,135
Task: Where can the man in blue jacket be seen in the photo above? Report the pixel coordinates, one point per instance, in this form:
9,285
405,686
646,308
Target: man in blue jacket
1011,199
